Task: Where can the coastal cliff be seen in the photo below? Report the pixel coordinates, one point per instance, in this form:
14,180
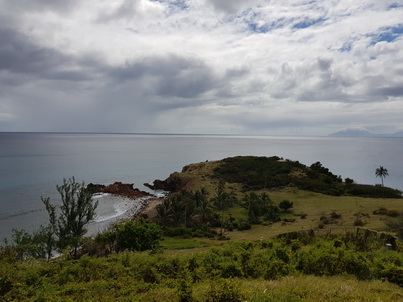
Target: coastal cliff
174,183
118,188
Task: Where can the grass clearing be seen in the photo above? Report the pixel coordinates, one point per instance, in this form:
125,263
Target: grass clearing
175,243
316,205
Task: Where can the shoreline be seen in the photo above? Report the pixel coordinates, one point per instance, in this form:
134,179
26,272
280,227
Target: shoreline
148,207
147,201
135,203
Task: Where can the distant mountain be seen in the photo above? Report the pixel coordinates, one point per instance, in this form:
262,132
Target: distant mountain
363,133
398,134
353,132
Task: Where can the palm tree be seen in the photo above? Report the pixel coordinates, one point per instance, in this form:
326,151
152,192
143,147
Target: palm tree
381,172
223,201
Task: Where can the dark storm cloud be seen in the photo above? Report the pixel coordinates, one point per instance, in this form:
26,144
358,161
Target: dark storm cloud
171,75
18,55
61,6
394,91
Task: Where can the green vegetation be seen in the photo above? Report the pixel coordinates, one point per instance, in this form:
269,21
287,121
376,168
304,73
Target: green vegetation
285,205
131,235
279,269
396,225
241,229
64,232
257,173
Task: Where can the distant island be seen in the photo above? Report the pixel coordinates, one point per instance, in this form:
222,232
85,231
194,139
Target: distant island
364,133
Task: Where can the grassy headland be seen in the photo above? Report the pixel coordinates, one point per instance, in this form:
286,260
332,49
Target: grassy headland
226,237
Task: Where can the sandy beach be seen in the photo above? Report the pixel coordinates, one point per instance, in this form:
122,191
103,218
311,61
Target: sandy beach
149,207
128,208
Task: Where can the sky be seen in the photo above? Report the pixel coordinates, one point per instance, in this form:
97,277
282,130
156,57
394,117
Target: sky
257,67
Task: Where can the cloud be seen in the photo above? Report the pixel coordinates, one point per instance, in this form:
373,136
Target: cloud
124,10
20,55
200,65
60,6
169,76
232,6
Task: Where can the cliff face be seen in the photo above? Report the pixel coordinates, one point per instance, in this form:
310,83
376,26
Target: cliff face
118,188
174,183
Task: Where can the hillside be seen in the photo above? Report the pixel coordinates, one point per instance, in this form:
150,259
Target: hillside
320,199
246,173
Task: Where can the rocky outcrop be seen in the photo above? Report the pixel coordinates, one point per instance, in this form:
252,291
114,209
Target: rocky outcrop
118,188
174,183
95,188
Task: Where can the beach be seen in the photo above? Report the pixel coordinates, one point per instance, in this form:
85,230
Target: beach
149,207
114,207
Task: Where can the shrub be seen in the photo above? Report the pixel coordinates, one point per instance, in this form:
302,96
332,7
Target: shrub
185,291
380,211
335,215
392,274
285,205
223,291
5,286
396,225
359,222
393,213
243,224
137,235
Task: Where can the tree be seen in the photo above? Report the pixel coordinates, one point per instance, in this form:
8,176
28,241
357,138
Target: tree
223,201
285,205
76,211
136,235
260,205
381,172
256,205
49,231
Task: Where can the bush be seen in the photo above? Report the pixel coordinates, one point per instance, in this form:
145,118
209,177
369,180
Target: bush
380,211
224,291
5,286
335,215
285,205
396,225
359,222
392,274
137,235
393,213
330,261
243,225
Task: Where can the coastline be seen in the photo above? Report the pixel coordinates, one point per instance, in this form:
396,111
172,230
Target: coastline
148,207
125,202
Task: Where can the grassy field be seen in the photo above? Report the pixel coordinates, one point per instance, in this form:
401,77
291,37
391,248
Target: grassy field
312,205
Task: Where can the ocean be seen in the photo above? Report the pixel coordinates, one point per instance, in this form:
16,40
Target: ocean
32,164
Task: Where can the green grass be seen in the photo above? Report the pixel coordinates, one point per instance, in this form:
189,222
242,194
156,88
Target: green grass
313,205
172,277
174,243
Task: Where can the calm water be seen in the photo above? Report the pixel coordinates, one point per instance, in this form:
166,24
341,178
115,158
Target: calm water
31,164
